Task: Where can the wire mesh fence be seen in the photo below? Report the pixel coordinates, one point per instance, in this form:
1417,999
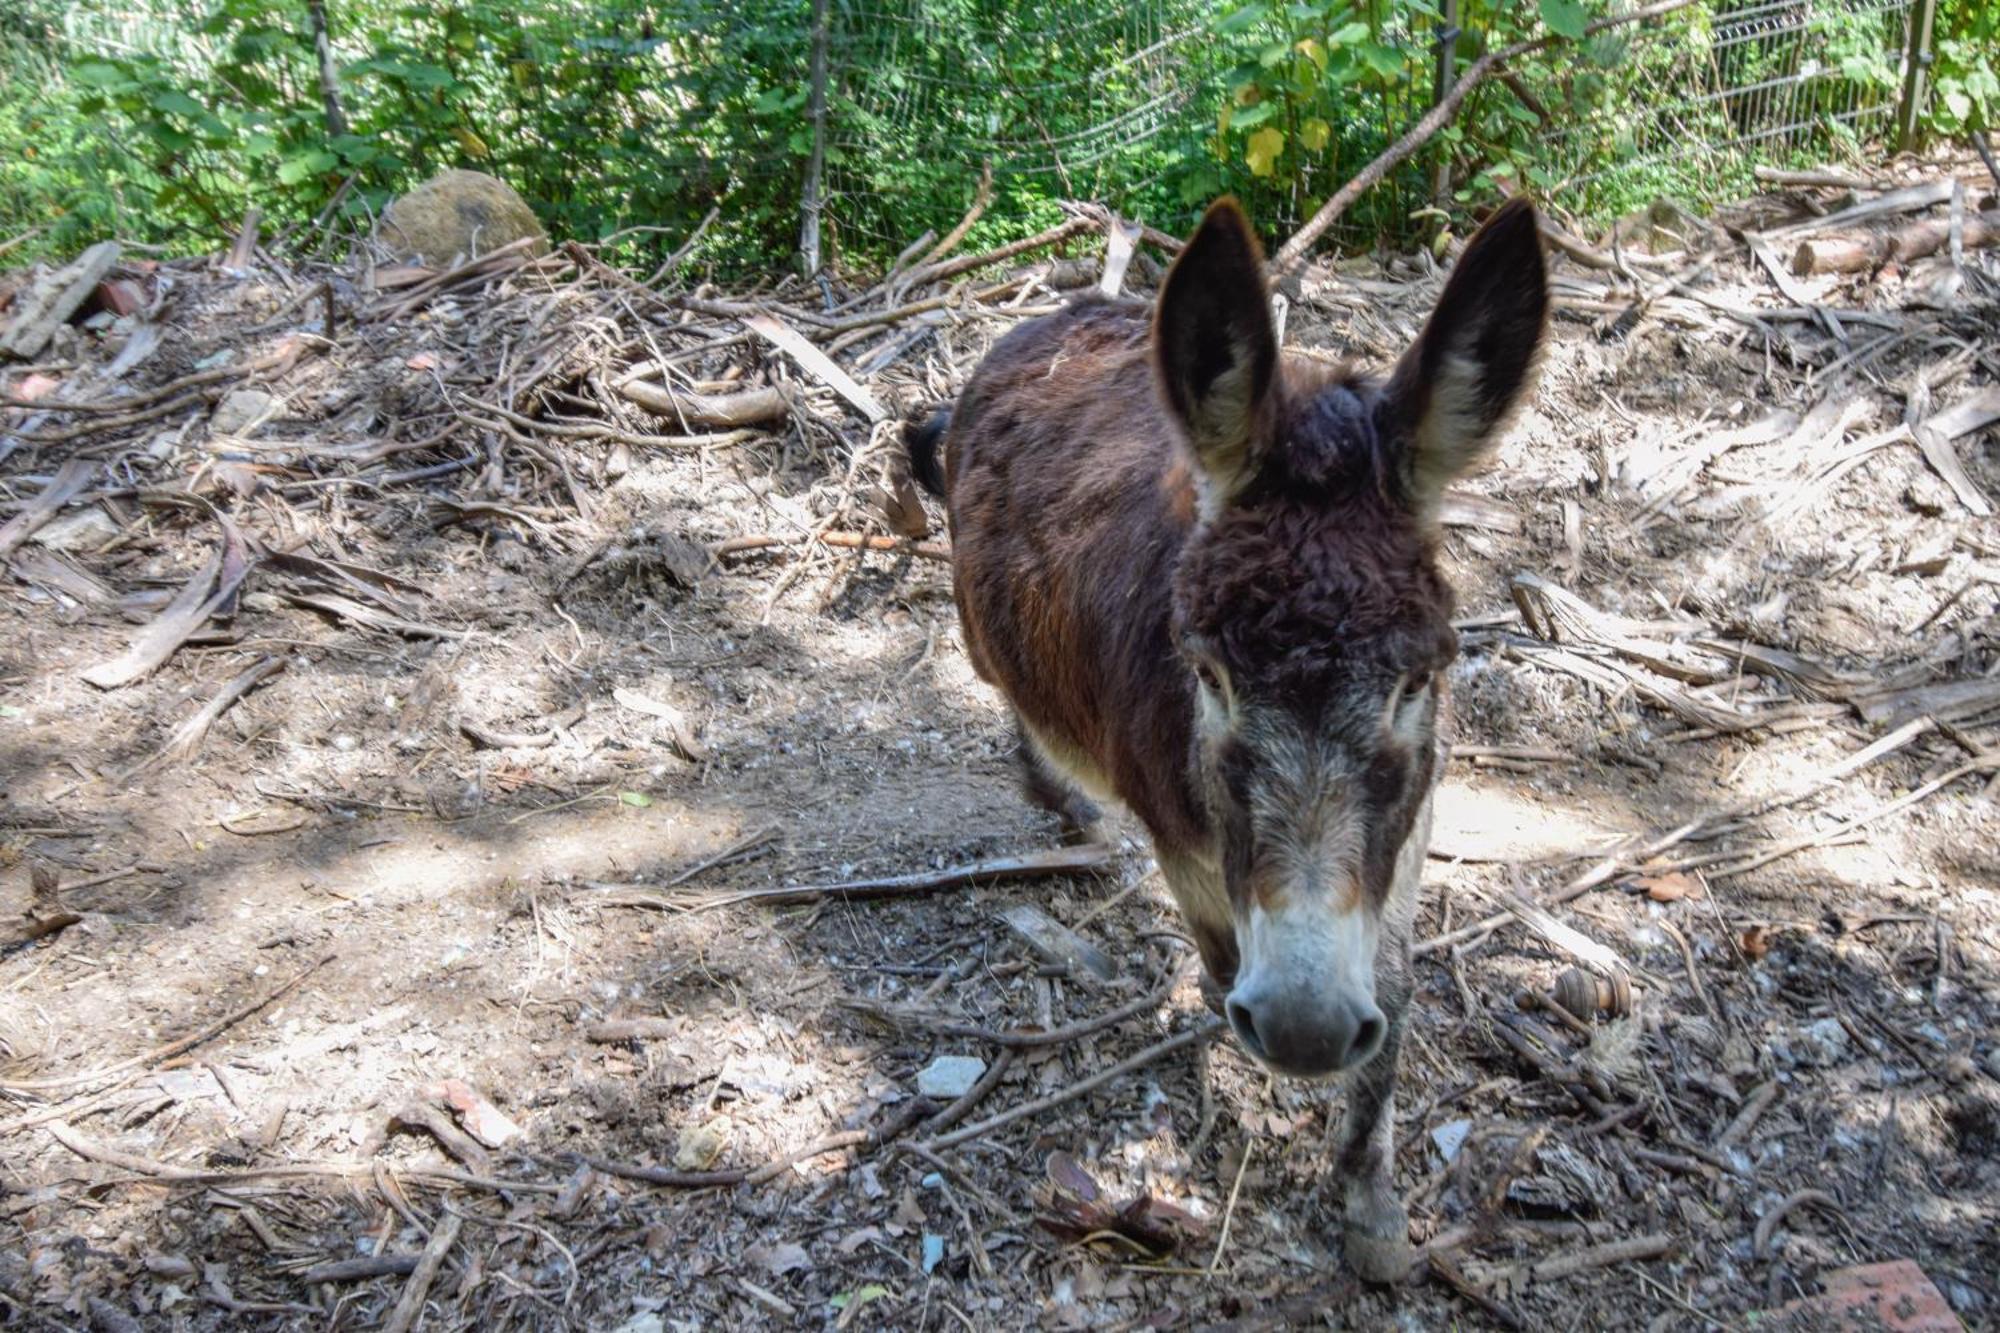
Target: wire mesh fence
1763,79
635,113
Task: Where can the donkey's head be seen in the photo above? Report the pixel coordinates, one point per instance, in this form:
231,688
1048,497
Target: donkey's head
1313,619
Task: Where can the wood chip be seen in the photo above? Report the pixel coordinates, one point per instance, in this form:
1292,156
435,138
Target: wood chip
49,302
816,363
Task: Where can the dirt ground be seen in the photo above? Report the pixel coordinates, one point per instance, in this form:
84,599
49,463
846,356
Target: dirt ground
1809,1080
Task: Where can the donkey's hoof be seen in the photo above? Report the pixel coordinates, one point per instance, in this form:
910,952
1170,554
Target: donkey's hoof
1384,1260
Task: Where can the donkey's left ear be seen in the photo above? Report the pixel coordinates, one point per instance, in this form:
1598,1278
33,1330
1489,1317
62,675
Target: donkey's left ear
1454,389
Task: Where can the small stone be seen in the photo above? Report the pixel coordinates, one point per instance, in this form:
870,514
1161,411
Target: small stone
933,1250
950,1076
241,411
1822,1043
1450,1137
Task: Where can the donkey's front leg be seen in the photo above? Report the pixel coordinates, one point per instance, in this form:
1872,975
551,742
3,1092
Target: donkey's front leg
1377,1227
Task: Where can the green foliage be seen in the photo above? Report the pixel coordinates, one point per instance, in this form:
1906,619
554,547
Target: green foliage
163,120
1966,93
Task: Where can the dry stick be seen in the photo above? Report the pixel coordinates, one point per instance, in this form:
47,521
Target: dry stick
1980,765
1017,1039
1229,1209
1602,1256
1075,1090
1760,1241
164,1173
189,735
167,390
410,1305
1754,1106
1436,119
359,1270
1620,863
980,199
1055,235
846,540
31,928
1031,865
906,1114
172,1048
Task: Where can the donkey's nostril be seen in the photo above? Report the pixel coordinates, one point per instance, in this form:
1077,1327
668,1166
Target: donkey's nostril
1244,1021
1367,1039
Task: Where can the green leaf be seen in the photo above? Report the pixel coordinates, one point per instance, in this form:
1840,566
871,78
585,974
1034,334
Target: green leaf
1261,153
636,798
1244,19
1253,116
1386,61
860,1296
1564,17
98,74
1348,35
175,103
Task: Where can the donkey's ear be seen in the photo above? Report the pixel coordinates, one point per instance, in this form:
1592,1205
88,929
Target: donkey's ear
1213,347
1453,390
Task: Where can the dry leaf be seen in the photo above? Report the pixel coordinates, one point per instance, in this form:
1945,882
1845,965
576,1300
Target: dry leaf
700,1145
1671,887
1755,943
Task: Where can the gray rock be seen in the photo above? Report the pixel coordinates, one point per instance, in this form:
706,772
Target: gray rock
950,1076
241,411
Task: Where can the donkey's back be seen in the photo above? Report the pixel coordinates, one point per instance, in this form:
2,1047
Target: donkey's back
1068,507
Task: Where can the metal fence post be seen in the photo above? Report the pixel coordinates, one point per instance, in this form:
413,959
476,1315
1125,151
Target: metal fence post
1447,74
1916,73
813,199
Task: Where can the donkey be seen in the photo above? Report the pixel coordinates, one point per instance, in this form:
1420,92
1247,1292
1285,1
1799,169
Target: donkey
1205,576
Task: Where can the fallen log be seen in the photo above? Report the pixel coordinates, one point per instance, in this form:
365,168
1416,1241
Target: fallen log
1849,253
747,408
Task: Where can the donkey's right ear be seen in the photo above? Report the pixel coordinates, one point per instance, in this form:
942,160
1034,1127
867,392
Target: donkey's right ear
1213,346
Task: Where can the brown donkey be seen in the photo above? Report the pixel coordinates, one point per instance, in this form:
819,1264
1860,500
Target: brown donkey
1205,577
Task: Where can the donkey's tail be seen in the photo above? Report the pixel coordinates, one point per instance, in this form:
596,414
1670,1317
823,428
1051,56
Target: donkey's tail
925,444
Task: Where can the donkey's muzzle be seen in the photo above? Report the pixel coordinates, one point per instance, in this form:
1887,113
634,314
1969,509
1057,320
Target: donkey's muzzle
1309,1036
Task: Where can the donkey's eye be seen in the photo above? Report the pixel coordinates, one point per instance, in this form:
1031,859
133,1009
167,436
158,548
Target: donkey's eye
1416,683
1210,678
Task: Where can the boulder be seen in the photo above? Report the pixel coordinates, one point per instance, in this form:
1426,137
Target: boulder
459,214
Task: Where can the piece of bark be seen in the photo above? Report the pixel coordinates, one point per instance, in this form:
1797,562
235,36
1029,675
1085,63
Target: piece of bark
816,363
66,485
57,574
1462,509
360,1269
154,644
433,1121
750,407
1057,943
1907,200
410,1305
480,1117
1121,242
43,308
